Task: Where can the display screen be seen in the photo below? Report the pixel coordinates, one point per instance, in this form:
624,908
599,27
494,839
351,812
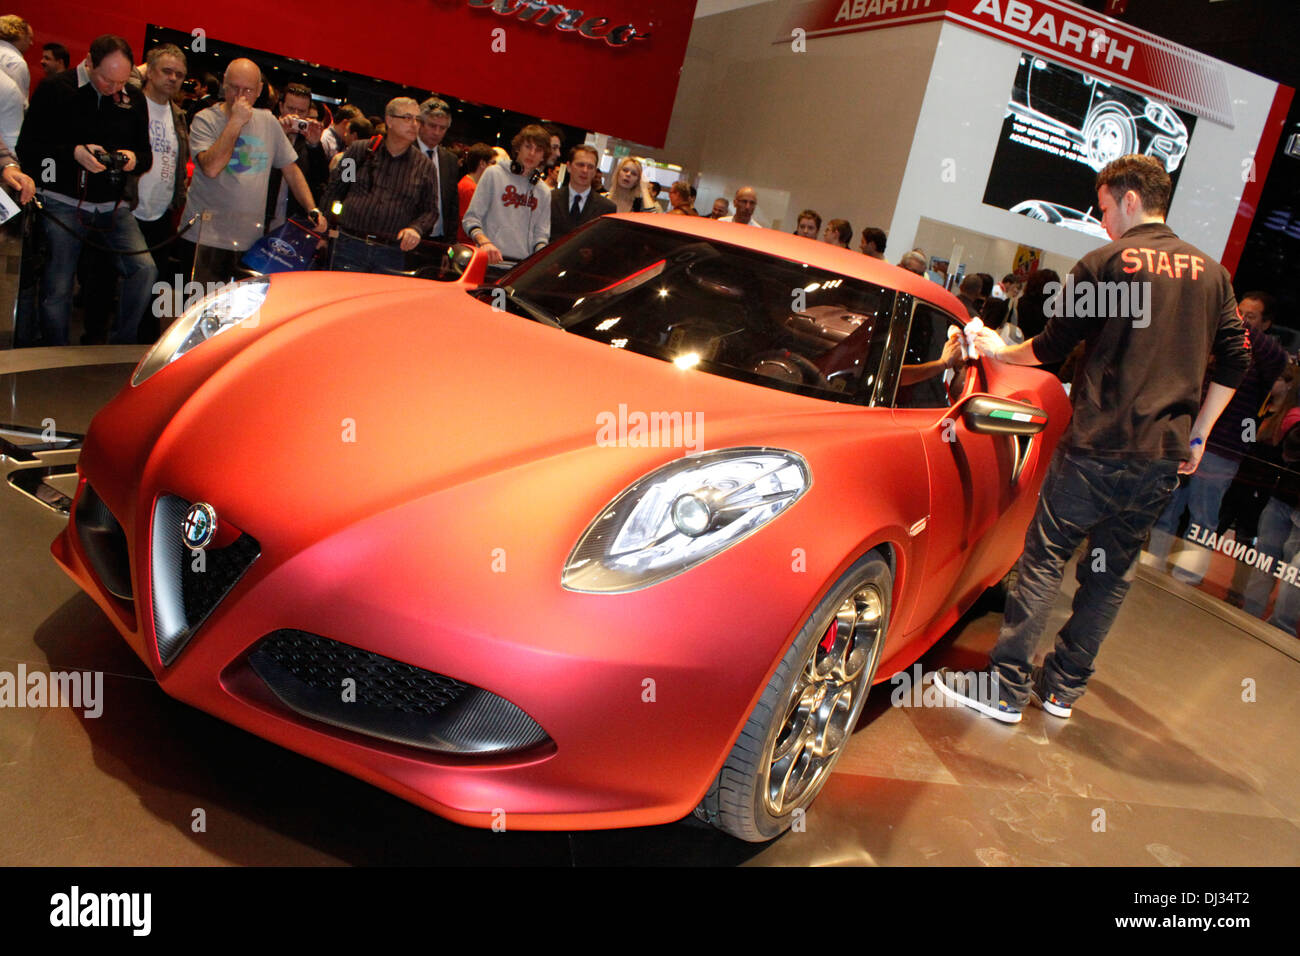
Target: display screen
1061,128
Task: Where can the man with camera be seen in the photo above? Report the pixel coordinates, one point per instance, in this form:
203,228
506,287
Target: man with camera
305,137
95,141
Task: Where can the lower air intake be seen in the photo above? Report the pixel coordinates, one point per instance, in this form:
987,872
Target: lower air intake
394,701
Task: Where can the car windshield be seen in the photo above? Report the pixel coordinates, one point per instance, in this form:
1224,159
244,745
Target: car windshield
701,303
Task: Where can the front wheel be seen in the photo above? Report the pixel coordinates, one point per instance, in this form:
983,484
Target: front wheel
1108,134
803,721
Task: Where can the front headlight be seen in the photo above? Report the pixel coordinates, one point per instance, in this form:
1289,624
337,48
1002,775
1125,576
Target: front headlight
682,514
210,316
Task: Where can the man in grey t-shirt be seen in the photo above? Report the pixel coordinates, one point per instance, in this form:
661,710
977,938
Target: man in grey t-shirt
235,147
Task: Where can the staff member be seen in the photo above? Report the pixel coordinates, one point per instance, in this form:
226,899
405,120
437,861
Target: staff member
1136,427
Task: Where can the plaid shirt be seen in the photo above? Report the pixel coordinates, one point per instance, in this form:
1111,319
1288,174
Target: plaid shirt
390,193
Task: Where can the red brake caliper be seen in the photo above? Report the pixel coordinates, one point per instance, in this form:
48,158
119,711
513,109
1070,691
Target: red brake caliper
829,640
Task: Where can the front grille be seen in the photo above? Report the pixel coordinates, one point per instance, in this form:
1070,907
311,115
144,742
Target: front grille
186,587
104,542
381,682
371,694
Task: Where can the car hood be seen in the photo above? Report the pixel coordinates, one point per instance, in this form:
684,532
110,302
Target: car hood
352,407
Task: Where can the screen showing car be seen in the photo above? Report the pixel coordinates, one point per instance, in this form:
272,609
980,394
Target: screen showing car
1061,128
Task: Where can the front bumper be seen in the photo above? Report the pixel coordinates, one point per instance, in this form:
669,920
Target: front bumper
621,715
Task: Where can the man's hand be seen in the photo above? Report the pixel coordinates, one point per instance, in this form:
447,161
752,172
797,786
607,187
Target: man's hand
1194,459
314,132
318,221
408,239
988,343
19,182
953,353
130,160
493,253
241,111
85,155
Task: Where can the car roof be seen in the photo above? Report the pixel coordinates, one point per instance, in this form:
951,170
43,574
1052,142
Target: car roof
823,255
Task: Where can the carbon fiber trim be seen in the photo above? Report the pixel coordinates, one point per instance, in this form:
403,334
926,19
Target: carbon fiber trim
104,542
182,596
393,701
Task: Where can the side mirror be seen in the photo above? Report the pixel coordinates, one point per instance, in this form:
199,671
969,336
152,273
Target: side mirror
987,415
460,256
468,262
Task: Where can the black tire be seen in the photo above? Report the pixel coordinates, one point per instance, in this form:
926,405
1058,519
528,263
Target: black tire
741,801
1108,134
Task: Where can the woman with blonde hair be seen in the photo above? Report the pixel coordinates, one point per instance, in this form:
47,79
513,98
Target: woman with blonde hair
628,189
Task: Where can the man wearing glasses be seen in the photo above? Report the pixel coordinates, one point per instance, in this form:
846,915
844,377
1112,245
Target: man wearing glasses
235,147
383,196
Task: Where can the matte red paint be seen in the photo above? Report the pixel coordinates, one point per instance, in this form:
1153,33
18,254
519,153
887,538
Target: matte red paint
475,431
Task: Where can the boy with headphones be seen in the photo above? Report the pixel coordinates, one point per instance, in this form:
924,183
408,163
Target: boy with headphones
510,215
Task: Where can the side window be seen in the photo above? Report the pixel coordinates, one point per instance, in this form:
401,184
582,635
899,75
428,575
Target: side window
924,381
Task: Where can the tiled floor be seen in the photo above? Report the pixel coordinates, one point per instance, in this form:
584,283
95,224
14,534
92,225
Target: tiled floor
1163,762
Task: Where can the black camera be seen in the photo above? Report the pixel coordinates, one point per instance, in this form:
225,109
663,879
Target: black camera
114,164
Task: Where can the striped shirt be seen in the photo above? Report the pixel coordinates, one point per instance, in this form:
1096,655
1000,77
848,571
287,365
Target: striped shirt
390,193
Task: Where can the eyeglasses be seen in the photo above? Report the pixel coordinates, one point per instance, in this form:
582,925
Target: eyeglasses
404,116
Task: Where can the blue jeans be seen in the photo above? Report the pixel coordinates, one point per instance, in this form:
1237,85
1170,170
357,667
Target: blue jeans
1201,494
117,229
358,255
1279,537
1112,504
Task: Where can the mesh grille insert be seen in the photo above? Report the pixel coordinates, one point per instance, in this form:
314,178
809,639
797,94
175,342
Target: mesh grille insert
388,699
380,681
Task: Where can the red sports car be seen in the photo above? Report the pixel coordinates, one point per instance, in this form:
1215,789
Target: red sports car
625,535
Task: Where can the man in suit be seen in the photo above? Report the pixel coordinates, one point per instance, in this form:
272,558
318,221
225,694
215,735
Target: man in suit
576,202
435,120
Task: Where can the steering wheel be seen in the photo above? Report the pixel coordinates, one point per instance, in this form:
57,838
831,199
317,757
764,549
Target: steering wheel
812,375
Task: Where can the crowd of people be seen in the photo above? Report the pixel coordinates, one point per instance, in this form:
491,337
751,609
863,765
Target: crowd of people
122,136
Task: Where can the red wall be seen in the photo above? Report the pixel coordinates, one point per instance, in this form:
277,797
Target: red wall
439,45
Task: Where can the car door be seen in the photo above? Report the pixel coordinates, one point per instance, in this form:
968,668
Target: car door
970,474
